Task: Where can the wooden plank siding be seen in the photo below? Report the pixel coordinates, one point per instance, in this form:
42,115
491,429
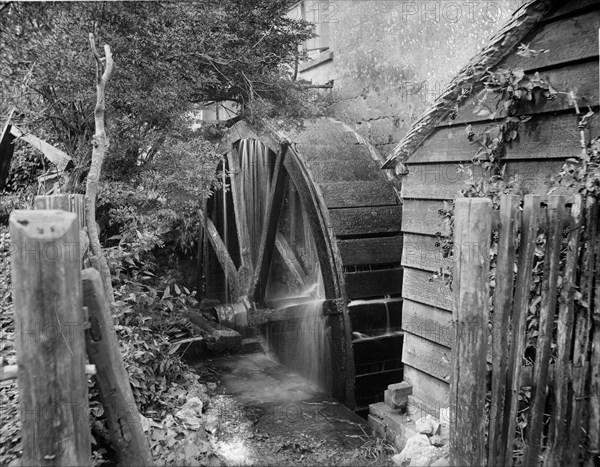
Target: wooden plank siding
422,287
421,216
427,356
434,324
446,181
580,76
573,38
544,137
431,390
535,158
424,252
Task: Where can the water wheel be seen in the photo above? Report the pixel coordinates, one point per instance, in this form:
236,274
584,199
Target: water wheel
308,218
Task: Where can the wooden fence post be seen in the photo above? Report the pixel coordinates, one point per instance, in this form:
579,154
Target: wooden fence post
122,415
555,218
49,325
472,231
503,302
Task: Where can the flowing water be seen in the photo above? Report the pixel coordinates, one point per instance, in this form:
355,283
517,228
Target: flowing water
303,343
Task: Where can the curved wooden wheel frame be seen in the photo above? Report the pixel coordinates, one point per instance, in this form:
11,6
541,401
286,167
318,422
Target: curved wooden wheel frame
249,281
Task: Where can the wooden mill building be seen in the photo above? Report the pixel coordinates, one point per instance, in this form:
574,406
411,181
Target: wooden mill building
562,39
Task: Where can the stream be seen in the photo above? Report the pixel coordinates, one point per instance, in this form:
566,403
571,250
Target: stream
267,415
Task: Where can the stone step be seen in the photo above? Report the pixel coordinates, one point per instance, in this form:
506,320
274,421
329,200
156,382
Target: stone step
389,423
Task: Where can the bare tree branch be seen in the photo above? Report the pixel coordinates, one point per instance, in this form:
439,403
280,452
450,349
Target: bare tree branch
100,144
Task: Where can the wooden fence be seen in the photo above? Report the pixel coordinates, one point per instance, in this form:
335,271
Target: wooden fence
526,367
61,313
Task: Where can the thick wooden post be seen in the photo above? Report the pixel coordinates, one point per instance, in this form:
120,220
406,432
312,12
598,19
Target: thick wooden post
472,231
49,325
123,418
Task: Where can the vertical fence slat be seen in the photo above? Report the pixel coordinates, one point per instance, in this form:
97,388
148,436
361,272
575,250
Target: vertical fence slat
529,228
594,413
46,277
555,214
564,335
582,331
472,230
503,297
594,425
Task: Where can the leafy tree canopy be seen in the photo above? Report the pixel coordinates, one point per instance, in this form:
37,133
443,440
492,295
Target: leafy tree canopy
169,57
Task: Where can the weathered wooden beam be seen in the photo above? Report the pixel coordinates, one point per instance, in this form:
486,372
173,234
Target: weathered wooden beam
503,299
555,214
49,324
102,346
472,231
269,230
583,323
564,340
222,253
529,231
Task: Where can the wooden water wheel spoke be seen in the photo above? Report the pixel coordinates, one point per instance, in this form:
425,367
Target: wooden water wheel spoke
223,255
239,207
269,231
289,258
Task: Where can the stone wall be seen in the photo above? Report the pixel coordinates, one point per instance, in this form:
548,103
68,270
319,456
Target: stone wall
390,58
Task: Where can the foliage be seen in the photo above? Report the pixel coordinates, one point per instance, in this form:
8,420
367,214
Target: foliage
10,427
582,174
169,57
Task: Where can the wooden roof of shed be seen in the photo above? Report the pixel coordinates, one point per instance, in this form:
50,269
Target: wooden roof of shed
522,22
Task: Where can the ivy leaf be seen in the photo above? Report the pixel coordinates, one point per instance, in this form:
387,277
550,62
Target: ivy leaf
166,293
